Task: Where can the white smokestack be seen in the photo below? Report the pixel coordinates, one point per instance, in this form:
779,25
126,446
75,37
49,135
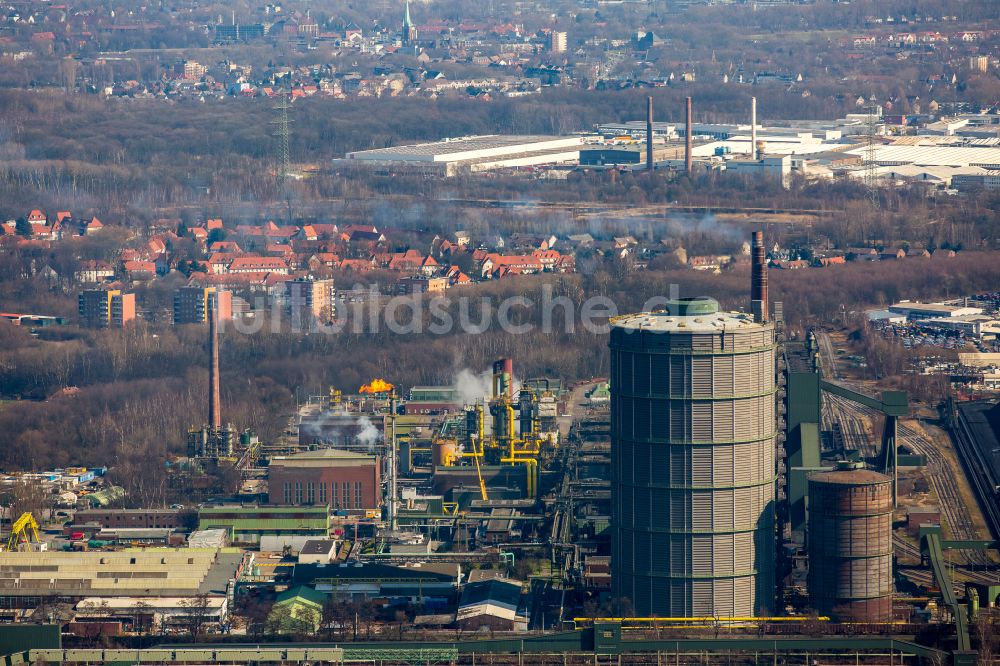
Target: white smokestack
753,127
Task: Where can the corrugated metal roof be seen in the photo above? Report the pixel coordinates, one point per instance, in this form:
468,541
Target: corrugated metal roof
934,155
267,525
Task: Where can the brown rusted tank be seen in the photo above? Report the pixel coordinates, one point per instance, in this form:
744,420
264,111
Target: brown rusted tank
444,452
850,544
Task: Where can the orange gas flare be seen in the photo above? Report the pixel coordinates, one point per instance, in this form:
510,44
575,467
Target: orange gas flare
376,386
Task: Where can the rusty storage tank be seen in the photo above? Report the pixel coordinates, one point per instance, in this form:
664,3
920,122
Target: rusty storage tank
693,461
850,544
444,452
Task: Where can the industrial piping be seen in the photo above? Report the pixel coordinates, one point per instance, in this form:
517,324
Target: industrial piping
758,279
687,137
649,134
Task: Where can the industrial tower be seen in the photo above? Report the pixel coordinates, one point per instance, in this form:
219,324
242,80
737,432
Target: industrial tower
871,166
693,430
282,130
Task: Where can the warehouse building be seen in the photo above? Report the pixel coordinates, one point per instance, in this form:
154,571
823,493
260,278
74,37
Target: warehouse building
914,311
251,524
28,579
975,326
327,477
162,614
429,584
473,154
495,604
130,518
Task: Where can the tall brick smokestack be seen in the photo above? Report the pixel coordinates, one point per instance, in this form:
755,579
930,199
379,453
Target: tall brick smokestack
687,136
758,279
649,134
214,394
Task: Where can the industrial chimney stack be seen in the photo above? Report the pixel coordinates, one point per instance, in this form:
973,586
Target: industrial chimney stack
649,134
758,279
214,406
687,137
753,128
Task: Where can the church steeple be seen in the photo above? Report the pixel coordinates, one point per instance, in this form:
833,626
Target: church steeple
409,32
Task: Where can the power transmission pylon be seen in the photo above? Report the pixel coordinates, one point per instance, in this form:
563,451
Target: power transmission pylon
871,166
281,131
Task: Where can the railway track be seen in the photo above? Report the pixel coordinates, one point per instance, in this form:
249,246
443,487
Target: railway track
937,472
977,470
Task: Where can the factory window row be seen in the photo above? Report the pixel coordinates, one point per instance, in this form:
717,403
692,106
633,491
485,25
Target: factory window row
343,496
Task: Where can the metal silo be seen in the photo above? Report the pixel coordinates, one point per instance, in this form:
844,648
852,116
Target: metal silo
850,544
693,460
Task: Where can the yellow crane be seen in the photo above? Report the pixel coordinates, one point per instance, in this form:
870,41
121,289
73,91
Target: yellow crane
23,529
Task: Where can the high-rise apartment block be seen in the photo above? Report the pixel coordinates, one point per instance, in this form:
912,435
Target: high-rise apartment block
309,298
557,41
191,304
105,308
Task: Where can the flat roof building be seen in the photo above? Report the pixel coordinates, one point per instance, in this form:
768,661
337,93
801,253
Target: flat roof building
472,154
914,310
26,577
105,308
249,524
130,518
311,298
191,304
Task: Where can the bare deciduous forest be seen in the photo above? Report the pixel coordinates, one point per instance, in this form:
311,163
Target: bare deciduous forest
139,389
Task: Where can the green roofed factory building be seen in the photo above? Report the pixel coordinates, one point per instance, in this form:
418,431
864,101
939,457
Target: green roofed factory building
250,524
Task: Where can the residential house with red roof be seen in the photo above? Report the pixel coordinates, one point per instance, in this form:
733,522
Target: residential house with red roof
359,265
323,260
549,258
497,265
139,270
37,219
92,227
456,278
218,262
566,264
361,233
252,264
325,230
230,247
